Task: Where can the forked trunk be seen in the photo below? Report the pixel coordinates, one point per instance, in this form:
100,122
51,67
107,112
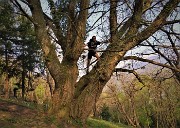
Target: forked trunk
63,95
75,112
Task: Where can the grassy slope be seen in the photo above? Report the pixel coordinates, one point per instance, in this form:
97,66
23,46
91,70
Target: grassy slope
96,123
13,115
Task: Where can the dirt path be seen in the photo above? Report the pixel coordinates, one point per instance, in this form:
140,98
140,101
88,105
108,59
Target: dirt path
16,116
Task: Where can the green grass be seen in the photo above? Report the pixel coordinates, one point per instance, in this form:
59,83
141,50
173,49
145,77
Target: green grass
96,123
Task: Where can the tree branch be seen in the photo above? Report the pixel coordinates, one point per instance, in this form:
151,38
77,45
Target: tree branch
135,74
159,21
150,61
162,46
175,50
160,53
18,5
171,22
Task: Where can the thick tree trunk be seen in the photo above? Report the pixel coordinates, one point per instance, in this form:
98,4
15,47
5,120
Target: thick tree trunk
62,97
90,86
83,104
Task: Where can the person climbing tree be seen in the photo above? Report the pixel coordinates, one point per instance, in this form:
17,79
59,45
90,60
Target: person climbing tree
92,45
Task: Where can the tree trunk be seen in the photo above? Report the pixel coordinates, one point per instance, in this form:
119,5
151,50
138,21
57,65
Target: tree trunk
95,113
50,82
62,97
23,83
6,85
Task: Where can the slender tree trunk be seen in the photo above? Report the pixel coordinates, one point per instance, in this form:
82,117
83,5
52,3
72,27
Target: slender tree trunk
23,76
23,83
6,85
50,82
95,114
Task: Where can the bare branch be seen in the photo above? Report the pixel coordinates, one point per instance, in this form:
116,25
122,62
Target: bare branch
174,48
18,5
159,21
162,46
160,53
135,74
151,61
171,22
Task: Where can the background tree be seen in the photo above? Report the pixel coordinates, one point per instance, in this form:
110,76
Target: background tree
154,105
19,49
74,99
6,50
28,51
105,114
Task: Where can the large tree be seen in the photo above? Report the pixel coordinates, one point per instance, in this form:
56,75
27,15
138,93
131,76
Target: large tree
72,98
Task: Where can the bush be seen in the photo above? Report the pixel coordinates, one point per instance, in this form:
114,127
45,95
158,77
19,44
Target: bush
105,114
40,93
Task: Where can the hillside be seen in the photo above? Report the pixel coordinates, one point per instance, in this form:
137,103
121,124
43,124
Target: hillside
14,115
18,116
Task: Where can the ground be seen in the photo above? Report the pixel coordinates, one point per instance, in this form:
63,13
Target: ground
17,116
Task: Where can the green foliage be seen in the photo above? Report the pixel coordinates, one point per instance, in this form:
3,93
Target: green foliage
7,33
17,41
6,14
144,119
12,120
28,46
40,92
114,116
105,114
50,119
19,49
159,98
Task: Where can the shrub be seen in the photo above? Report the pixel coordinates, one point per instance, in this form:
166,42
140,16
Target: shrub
105,114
